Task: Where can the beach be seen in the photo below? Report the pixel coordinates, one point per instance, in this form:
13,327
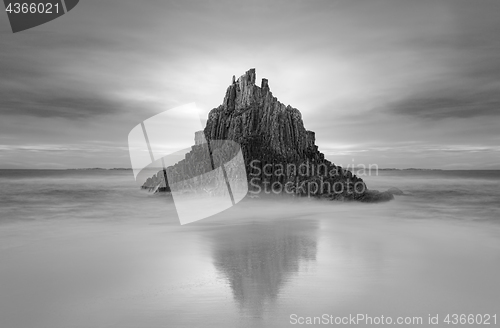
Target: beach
89,249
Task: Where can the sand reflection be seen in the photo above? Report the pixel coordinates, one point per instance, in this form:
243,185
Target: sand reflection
258,259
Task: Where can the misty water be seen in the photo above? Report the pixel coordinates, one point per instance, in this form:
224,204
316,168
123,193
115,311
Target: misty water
88,249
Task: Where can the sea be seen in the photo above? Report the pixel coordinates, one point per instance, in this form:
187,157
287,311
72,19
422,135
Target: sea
88,248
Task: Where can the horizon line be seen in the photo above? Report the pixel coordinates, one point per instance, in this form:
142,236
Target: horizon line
161,168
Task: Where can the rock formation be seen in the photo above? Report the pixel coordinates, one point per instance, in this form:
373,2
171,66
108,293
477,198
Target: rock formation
280,154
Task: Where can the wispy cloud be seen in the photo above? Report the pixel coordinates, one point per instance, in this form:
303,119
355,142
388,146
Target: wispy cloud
438,106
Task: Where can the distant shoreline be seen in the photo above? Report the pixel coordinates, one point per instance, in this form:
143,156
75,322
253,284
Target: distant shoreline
78,169
160,168
414,169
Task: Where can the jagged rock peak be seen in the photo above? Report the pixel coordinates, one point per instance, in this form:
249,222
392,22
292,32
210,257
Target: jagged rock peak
248,78
243,92
264,84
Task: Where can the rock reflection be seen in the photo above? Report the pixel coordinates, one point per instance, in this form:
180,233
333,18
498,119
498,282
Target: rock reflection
258,259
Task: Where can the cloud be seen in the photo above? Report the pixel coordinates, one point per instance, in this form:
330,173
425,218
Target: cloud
435,106
60,105
365,74
465,83
35,81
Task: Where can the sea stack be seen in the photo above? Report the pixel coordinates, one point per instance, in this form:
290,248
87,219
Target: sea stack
280,155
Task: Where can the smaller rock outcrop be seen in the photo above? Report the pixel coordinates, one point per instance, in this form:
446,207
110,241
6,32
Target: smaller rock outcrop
395,191
199,138
375,196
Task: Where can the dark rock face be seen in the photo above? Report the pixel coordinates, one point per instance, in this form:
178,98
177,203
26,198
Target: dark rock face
280,154
375,196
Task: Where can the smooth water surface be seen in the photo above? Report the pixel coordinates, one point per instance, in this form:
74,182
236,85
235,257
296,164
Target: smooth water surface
88,249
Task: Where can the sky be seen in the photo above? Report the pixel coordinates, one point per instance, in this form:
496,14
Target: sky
388,82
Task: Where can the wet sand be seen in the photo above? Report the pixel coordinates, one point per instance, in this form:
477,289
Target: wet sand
251,266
